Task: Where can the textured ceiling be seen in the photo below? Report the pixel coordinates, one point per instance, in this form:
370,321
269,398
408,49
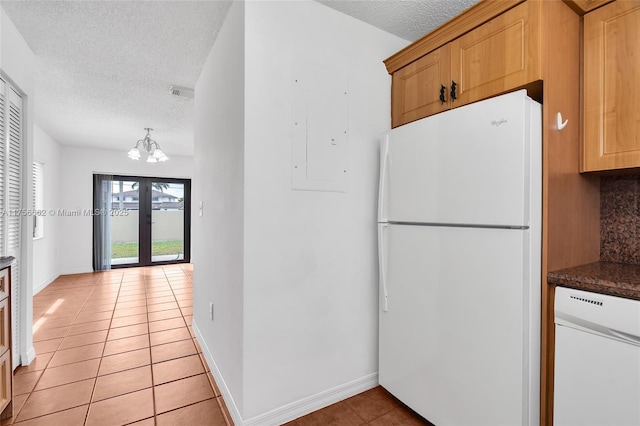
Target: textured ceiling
104,68
408,19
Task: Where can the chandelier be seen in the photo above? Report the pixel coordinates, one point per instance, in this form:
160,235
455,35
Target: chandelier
154,153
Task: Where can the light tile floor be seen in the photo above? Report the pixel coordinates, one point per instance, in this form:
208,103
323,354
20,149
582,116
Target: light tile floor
116,348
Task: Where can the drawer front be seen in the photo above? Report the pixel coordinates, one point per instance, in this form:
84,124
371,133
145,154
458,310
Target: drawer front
5,380
4,283
5,337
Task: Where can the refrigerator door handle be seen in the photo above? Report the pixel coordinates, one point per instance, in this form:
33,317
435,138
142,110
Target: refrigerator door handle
382,262
384,161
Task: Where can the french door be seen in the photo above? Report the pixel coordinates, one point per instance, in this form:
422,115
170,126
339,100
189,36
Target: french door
141,221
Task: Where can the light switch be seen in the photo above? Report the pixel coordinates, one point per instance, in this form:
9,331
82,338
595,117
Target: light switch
200,208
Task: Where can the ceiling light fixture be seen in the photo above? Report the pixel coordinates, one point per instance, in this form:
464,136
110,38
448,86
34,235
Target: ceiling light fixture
154,153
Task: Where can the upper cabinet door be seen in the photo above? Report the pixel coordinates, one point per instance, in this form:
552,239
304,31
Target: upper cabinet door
498,56
583,6
612,87
501,55
421,88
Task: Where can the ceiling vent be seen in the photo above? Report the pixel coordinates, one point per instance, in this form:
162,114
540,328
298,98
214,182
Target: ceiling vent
185,92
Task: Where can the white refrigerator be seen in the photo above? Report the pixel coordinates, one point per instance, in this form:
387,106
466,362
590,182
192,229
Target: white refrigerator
459,240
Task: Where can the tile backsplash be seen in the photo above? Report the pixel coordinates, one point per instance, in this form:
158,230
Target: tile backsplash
620,219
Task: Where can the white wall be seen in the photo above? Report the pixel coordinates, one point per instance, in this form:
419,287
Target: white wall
45,250
17,65
219,183
311,294
292,274
77,166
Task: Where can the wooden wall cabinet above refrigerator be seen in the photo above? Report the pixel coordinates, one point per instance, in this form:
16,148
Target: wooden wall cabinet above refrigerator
583,6
497,56
611,127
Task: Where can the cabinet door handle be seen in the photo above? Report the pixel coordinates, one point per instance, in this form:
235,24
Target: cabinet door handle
442,90
453,91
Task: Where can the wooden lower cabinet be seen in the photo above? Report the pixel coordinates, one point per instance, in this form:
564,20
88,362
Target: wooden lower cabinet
6,368
5,341
611,138
4,282
6,381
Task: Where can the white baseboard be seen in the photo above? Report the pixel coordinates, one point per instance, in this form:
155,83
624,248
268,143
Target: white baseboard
292,410
37,289
30,356
74,271
217,376
315,402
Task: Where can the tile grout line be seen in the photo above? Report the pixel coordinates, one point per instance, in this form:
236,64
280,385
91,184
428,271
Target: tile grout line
209,375
15,416
220,401
197,354
153,383
93,390
187,326
144,286
147,282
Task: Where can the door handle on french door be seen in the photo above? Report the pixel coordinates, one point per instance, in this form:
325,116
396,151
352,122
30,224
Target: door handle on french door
382,267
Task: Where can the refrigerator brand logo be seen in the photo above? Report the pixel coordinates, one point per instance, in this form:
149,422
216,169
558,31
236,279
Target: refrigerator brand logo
498,122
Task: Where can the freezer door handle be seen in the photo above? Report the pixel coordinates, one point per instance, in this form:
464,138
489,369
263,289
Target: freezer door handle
384,162
382,262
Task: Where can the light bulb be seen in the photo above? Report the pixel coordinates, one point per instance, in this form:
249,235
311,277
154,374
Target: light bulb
134,154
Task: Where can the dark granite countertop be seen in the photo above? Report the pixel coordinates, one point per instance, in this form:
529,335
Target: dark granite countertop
615,279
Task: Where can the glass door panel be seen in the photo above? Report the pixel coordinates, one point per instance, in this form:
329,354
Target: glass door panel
124,218
142,221
167,221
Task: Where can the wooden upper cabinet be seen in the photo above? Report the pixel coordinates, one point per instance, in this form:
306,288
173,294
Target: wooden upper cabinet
501,55
420,88
583,6
611,138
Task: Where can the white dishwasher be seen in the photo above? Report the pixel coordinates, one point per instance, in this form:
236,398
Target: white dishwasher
597,359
